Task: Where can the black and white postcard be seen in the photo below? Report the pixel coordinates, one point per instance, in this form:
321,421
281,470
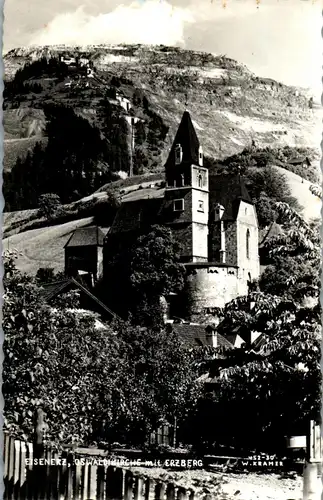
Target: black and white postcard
161,250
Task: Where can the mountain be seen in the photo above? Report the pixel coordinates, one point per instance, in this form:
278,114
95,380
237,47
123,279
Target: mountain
232,109
230,106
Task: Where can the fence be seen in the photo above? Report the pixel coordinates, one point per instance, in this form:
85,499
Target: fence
61,477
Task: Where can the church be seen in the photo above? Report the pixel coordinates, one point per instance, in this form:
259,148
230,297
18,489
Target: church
211,216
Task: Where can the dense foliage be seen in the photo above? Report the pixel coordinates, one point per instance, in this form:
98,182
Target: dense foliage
268,156
143,272
273,382
48,204
113,383
266,185
274,387
37,69
67,167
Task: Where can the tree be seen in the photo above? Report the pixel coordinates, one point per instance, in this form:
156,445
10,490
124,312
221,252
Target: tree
274,382
140,133
159,385
114,383
48,204
47,275
291,277
275,387
144,271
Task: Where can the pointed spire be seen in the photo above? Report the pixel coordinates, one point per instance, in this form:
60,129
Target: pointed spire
187,138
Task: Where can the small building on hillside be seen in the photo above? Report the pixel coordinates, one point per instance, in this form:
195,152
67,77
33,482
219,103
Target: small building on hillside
84,253
123,102
302,161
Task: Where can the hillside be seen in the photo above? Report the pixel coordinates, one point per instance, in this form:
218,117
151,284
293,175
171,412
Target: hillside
231,107
44,247
300,189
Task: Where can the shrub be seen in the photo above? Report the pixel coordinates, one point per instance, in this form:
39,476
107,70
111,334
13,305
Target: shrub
48,204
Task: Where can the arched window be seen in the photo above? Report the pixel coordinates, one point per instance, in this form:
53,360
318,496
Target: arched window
178,154
248,244
181,180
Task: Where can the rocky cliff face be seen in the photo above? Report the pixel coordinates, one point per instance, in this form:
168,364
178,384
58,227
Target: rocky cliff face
231,107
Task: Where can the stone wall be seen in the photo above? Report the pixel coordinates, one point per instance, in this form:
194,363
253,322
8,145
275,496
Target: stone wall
200,242
183,234
211,286
231,243
249,266
200,229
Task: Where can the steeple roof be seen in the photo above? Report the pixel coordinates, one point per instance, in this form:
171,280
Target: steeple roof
228,190
185,136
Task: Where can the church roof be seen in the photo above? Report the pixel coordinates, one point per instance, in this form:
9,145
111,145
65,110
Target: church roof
195,335
187,138
228,190
135,215
86,236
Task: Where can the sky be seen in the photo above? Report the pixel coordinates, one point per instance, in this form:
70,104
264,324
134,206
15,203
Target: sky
280,39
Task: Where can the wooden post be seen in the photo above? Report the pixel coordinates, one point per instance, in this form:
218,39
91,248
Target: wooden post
29,470
92,482
149,489
128,485
39,471
9,490
16,469
139,484
63,476
170,492
77,482
160,491
182,494
6,443
69,479
110,482
22,472
312,484
100,482
85,482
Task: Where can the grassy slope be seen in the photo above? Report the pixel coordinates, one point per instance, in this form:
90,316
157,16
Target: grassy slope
300,190
45,247
227,116
42,247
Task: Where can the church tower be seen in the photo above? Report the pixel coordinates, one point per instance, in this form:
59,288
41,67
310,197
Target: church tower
186,203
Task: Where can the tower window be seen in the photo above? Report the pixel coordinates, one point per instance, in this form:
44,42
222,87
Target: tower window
248,244
200,206
200,180
178,154
200,156
180,181
178,205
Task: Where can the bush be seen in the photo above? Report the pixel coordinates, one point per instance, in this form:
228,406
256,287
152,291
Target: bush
48,204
